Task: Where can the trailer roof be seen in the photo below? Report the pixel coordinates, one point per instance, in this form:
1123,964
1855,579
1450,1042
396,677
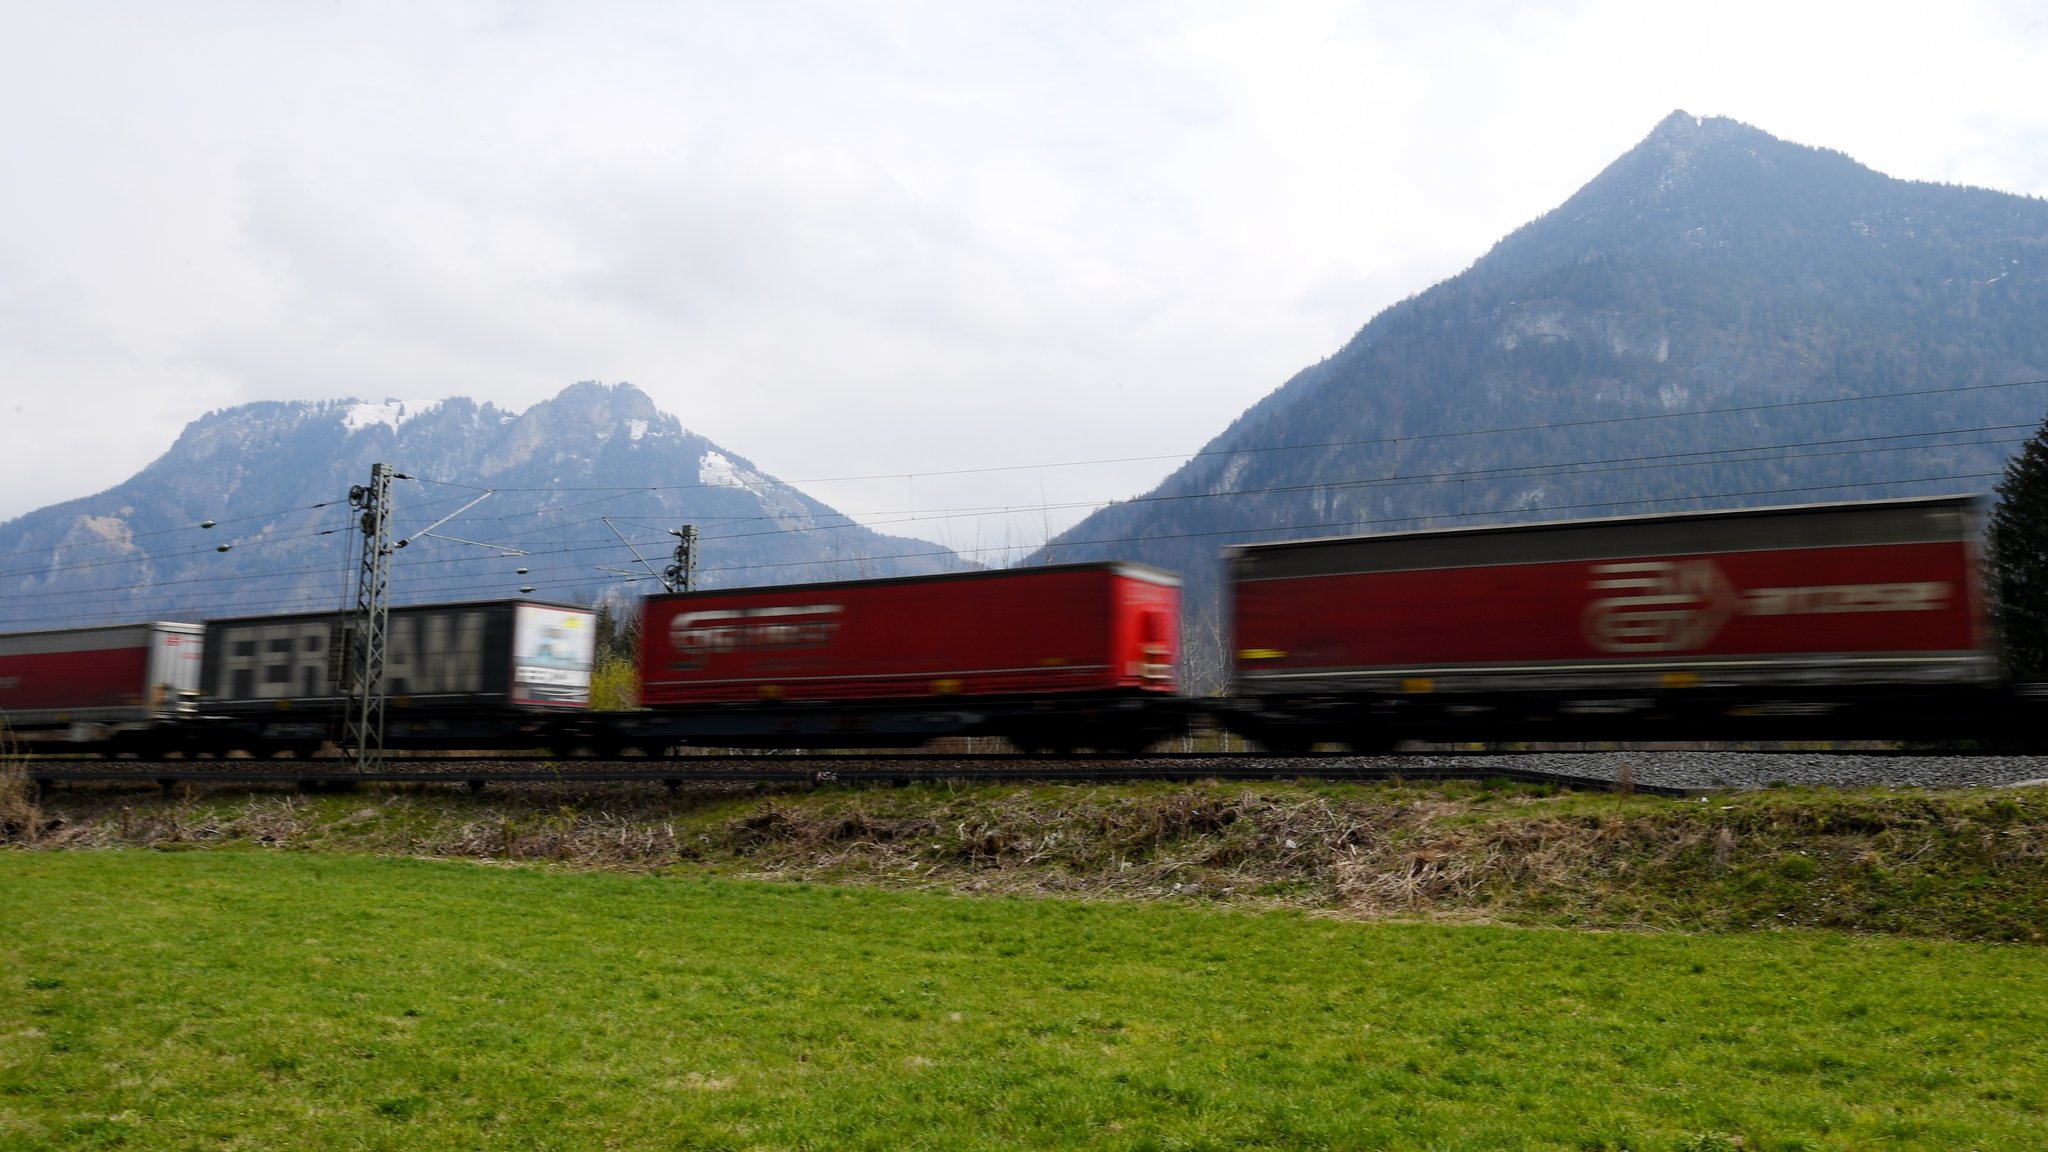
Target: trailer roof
89,638
1132,569
1850,523
318,614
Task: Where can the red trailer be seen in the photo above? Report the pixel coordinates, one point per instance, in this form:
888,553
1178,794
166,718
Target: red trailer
99,686
1711,623
1053,656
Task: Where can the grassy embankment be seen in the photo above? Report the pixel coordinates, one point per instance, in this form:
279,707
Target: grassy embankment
621,988
1964,865
242,999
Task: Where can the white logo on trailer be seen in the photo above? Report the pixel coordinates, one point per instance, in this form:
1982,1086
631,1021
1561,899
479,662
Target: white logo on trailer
1681,605
699,635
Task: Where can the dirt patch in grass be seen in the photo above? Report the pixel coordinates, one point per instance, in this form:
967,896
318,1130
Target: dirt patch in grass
1963,864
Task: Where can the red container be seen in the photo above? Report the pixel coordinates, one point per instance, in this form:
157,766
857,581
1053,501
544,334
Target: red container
125,674
1065,629
1862,593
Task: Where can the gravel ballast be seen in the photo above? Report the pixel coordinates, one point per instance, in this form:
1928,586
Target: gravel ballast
1748,770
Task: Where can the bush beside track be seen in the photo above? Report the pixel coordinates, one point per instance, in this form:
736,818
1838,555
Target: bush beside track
1964,864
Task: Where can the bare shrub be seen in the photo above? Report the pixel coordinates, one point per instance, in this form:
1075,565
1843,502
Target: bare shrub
1433,868
860,826
1141,825
766,826
21,819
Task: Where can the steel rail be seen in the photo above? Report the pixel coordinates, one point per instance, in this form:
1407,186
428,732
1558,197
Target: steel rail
814,770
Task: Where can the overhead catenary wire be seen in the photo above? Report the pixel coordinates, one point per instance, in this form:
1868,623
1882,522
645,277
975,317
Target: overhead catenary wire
1662,460
573,545
1235,451
1411,438
1700,458
569,567
427,591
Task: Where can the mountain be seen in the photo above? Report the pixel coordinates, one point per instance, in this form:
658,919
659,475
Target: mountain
571,489
1718,319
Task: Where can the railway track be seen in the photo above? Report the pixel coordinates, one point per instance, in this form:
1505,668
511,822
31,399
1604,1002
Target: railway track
1658,772
901,768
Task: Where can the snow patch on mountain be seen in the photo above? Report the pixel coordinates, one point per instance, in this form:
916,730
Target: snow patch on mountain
391,413
716,470
111,528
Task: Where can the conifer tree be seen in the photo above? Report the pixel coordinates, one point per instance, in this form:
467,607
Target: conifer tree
2016,559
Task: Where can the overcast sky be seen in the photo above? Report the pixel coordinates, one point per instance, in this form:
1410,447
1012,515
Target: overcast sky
848,239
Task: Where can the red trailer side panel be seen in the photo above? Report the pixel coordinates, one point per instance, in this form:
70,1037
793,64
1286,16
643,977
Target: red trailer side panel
1853,592
129,672
1052,630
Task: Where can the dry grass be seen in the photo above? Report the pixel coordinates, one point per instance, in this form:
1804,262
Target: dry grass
21,819
1973,865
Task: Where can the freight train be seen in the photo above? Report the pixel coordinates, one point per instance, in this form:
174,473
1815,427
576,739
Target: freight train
495,674
1859,620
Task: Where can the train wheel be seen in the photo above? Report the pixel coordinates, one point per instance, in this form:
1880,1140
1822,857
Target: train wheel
1129,744
1044,740
1287,743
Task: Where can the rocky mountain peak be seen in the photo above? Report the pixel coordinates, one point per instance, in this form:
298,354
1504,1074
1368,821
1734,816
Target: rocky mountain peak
1717,318
1729,161
595,404
271,477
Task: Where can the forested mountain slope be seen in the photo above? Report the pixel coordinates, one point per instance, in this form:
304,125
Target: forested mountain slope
1720,318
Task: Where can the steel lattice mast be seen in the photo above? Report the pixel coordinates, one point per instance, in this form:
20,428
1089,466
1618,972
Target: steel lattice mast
363,659
681,576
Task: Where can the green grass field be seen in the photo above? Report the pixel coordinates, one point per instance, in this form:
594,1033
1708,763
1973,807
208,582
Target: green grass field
247,999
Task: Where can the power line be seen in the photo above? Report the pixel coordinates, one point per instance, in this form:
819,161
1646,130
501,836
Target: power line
1271,531
1615,464
1419,437
557,517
